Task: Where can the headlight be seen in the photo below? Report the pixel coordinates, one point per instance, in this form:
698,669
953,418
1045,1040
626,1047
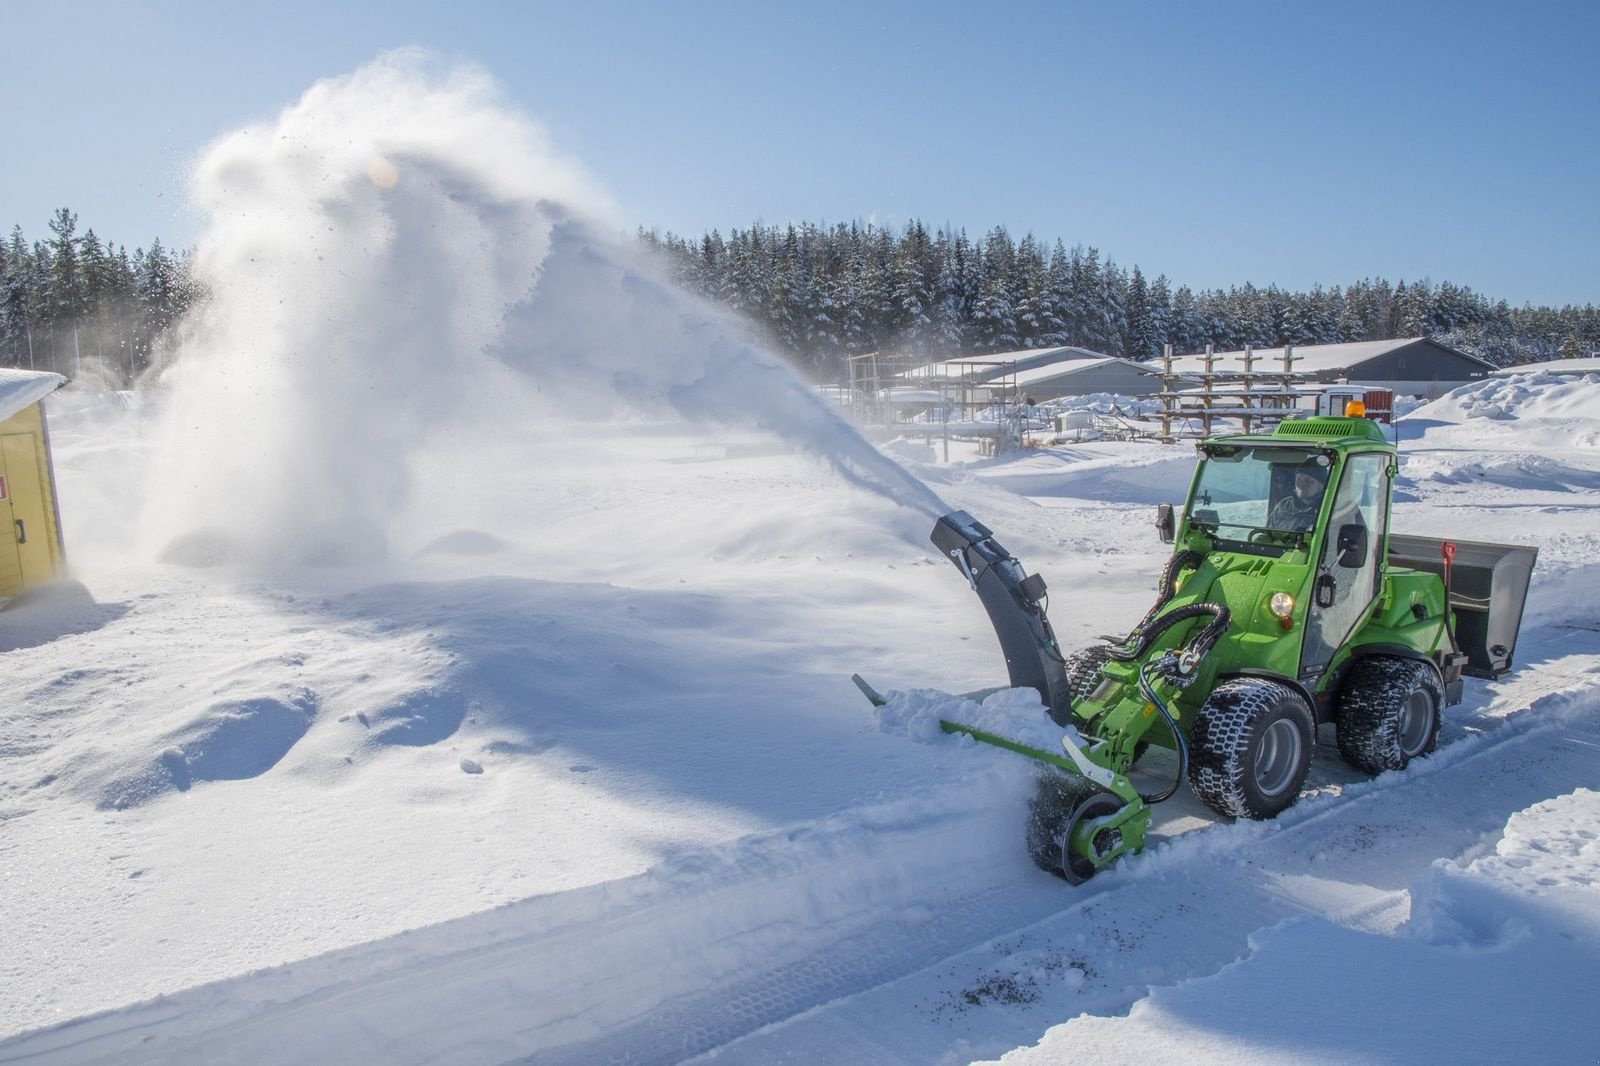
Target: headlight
1281,605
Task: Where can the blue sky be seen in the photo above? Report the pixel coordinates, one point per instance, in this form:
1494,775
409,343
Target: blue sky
1288,143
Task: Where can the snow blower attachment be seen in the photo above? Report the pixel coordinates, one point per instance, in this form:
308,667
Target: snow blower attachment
1015,602
1284,606
1084,814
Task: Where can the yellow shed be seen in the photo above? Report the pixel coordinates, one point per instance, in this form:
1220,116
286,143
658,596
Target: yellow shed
31,550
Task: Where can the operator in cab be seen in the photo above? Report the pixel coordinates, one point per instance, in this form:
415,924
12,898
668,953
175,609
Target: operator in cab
1298,510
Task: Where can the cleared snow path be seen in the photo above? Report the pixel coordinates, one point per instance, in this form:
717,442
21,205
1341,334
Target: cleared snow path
817,933
1190,908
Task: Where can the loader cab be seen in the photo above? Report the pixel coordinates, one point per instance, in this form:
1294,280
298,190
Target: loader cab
1256,497
1310,503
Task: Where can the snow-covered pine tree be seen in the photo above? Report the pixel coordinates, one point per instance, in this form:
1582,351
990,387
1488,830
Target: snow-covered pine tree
1030,288
66,298
910,297
1186,332
1412,306
994,322
952,306
1160,314
1352,313
1299,320
14,294
1113,305
1053,302
1085,321
1139,341
43,312
850,302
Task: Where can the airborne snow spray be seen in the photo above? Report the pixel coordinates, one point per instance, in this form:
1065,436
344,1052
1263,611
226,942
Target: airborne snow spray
375,258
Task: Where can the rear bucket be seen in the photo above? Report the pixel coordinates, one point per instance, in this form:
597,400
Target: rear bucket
1488,587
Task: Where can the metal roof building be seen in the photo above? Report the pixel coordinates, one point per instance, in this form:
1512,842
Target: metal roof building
1418,366
1078,377
974,369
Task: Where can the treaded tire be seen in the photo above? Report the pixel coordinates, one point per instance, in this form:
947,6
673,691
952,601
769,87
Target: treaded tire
1083,672
1388,713
1251,748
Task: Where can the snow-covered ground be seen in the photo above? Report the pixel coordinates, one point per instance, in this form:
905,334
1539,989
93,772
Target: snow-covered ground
478,690
584,777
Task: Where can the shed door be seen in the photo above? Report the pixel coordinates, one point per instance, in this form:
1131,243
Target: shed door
10,563
19,462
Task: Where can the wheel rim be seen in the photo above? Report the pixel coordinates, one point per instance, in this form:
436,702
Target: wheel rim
1278,757
1416,722
1079,868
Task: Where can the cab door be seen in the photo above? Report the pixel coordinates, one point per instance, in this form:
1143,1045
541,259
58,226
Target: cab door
1347,575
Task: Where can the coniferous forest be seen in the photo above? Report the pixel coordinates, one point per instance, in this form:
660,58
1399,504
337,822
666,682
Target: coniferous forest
826,293
79,305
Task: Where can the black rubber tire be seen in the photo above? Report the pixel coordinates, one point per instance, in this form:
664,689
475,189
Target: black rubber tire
1251,748
1388,713
1083,669
1083,672
1059,802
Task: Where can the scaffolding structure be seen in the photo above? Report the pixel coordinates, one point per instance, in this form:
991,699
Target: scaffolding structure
1257,398
951,400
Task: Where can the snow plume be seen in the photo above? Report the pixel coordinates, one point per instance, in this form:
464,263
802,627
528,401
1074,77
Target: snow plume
601,319
366,253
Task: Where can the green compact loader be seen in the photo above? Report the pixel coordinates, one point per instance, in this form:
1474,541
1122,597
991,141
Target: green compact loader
1286,604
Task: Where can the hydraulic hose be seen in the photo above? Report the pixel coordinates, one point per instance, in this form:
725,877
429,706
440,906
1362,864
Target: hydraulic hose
1140,641
1177,735
1201,644
1169,580
1179,667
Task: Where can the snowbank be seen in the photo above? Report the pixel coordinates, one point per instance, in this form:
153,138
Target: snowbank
1014,713
1534,395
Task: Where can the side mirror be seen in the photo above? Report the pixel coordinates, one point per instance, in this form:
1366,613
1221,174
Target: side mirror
1166,525
1352,545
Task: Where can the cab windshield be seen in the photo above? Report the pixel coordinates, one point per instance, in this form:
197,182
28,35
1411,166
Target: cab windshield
1243,490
